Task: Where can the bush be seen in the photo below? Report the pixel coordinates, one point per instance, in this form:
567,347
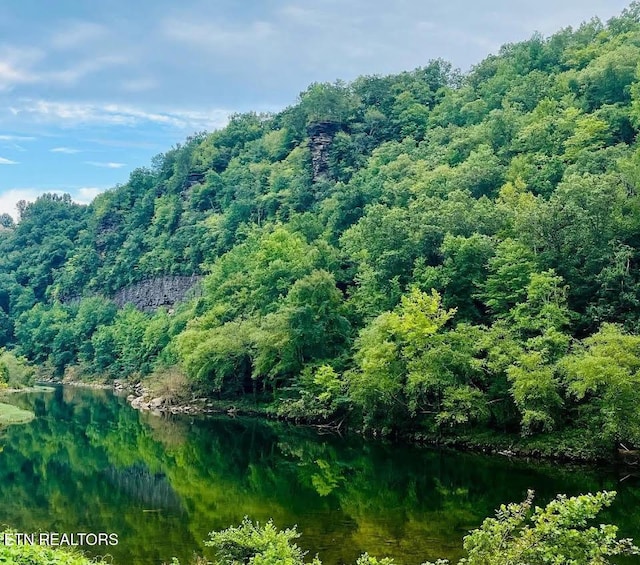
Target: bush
14,371
258,545
520,534
559,533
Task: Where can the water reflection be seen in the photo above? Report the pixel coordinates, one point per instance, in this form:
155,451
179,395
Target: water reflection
90,463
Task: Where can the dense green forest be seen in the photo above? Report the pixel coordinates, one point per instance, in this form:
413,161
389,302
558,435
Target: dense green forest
432,253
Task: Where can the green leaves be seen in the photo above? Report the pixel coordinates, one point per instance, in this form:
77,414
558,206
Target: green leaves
253,544
604,370
535,391
272,348
388,349
511,190
558,533
419,316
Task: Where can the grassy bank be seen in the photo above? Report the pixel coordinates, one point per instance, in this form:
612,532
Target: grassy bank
10,414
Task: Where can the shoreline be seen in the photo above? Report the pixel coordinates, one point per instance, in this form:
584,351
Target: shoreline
560,448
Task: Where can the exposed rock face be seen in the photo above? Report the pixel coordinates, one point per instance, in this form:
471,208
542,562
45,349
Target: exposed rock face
193,178
320,137
151,294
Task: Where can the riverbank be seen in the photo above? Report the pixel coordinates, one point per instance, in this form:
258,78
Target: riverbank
10,415
579,446
147,398
570,446
35,388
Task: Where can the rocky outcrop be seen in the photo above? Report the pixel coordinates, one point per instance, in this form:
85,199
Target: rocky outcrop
151,294
320,138
143,399
192,179
108,225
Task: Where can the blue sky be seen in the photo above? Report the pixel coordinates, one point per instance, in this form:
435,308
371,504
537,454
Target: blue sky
90,90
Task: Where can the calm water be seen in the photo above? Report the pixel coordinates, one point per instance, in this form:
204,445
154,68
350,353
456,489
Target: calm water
89,463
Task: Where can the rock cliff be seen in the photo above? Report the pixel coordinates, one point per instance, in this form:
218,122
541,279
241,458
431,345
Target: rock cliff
151,294
320,138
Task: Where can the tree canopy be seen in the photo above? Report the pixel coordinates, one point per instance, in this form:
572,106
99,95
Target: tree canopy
468,260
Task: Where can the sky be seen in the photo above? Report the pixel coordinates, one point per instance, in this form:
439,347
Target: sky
89,91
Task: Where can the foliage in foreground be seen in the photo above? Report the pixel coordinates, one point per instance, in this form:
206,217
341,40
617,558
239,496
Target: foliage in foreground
520,534
559,534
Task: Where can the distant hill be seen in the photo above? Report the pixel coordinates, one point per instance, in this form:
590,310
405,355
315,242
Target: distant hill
432,252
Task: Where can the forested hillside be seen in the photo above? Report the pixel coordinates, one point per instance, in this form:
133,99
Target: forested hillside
429,253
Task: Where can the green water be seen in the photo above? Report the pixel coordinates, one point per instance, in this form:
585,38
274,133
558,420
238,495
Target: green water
89,463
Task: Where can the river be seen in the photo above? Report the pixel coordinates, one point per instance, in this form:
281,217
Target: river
90,463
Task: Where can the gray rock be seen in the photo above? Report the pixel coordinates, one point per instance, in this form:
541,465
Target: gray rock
321,136
151,294
156,402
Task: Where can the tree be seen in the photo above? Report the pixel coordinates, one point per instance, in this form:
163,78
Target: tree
258,545
92,313
510,270
327,102
219,359
309,326
535,391
463,271
603,371
6,221
385,352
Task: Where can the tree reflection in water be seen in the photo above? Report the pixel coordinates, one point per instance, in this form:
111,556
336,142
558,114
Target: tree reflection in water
88,462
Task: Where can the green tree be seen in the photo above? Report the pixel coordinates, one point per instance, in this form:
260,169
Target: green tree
309,326
509,274
462,273
603,371
258,545
385,350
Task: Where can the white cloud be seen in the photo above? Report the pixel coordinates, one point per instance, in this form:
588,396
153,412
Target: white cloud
71,75
22,66
14,147
4,161
139,84
65,150
10,75
210,35
126,143
16,64
72,113
16,138
106,165
9,199
86,194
